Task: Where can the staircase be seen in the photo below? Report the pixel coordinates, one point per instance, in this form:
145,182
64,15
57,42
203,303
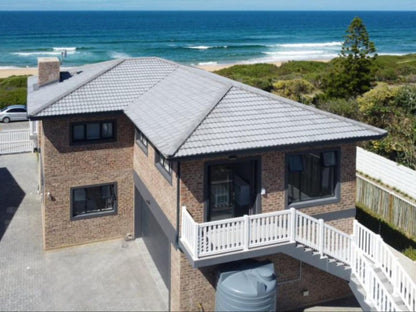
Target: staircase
377,279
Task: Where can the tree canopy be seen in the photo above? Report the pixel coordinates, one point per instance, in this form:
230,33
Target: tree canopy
352,74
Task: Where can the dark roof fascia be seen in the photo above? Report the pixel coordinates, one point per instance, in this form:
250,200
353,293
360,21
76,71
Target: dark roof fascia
279,148
106,113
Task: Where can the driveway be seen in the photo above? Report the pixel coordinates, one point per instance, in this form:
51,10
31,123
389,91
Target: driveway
112,275
15,125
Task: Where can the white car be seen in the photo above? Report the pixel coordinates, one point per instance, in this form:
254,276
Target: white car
13,113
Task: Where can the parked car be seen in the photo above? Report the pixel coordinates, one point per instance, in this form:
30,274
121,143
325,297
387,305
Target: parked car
13,113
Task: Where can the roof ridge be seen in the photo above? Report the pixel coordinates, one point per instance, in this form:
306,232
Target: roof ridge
78,86
205,116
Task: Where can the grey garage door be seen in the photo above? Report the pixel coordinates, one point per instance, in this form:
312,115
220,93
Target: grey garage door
153,236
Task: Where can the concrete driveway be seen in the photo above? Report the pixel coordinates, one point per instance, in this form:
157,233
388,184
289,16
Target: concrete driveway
112,275
15,125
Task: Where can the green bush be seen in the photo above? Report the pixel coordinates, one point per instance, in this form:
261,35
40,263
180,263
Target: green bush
343,107
299,90
13,90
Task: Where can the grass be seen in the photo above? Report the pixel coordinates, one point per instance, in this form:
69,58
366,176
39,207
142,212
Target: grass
13,90
391,235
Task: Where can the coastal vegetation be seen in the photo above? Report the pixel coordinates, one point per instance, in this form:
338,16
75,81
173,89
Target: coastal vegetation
378,90
13,90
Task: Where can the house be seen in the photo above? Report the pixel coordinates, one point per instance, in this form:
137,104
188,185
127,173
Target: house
145,147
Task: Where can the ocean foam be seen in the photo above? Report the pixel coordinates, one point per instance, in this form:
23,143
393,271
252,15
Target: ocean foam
202,47
309,45
62,49
118,55
207,63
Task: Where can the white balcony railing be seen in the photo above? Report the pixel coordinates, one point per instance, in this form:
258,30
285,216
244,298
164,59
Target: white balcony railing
363,251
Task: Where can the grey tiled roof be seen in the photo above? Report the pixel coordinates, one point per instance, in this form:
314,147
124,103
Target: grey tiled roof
187,112
244,119
112,88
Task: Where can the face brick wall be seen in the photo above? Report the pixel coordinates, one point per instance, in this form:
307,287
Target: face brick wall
163,192
198,285
273,180
67,166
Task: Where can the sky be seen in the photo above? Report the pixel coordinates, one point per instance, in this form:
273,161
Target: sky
354,5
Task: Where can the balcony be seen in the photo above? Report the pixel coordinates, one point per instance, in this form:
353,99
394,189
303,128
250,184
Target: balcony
375,274
258,235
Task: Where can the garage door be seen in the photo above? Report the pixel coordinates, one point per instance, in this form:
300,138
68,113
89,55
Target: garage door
153,236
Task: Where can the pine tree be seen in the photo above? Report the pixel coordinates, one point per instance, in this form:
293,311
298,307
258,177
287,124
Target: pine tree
352,72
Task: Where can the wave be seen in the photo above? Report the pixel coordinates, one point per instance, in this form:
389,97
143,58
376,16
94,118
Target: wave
207,63
202,47
300,53
308,45
62,49
118,55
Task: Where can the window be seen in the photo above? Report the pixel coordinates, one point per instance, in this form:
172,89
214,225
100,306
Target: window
94,200
17,110
141,140
312,176
231,189
93,131
164,166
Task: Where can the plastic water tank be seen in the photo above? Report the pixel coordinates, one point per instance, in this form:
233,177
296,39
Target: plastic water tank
252,287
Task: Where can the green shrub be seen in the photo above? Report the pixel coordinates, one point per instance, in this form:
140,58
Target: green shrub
343,107
13,90
299,90
410,252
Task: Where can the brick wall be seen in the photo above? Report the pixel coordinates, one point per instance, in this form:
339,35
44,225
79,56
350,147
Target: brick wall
67,166
160,188
273,180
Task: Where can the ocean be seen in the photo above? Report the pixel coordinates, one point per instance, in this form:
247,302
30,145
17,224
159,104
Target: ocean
192,37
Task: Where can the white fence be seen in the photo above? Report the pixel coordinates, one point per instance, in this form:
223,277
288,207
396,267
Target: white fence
389,172
364,251
16,141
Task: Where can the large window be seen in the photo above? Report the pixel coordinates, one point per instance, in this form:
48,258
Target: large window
90,200
93,131
312,176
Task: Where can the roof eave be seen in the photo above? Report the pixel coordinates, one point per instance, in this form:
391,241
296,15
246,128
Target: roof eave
382,134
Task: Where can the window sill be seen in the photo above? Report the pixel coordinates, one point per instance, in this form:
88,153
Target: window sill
94,215
165,174
88,142
315,202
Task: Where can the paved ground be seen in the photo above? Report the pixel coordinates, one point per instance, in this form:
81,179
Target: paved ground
112,275
15,125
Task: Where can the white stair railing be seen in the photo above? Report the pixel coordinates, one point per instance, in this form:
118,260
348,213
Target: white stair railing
363,251
376,294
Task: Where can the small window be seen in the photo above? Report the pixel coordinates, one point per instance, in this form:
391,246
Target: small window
100,200
141,140
164,166
17,110
93,131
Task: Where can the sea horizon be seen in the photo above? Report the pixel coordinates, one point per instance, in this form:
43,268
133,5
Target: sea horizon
194,37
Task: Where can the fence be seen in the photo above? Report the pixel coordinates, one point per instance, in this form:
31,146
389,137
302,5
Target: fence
15,141
387,171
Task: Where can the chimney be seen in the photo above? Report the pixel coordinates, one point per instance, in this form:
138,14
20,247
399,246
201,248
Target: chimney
48,70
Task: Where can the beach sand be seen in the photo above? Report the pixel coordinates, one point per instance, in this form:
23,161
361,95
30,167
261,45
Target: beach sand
7,72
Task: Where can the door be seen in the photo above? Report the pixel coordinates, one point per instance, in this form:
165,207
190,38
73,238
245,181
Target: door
153,236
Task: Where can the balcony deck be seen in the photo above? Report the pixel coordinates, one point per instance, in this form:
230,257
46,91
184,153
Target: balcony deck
377,278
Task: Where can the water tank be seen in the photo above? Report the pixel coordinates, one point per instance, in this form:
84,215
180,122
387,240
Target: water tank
250,287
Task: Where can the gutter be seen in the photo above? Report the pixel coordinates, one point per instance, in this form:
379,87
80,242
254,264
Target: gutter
178,193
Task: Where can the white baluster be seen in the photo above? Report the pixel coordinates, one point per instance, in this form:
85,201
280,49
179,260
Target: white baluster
246,232
321,237
292,222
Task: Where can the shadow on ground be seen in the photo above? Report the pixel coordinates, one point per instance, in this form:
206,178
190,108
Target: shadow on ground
11,195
